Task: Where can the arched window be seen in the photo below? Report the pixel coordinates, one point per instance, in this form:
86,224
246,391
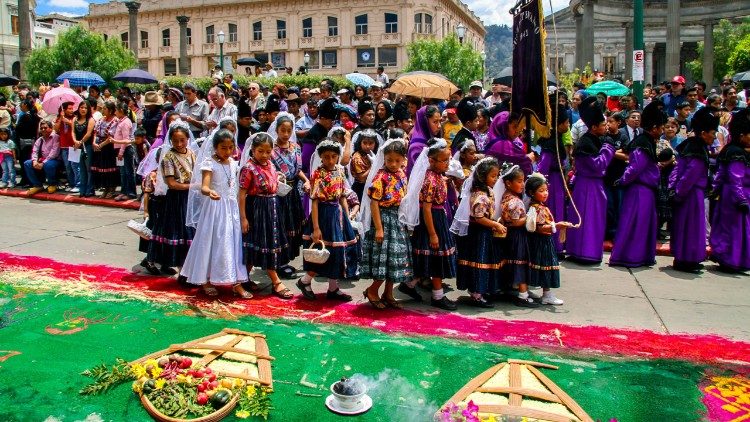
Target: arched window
391,23
423,23
257,31
307,28
360,24
124,39
165,40
280,29
333,26
232,32
210,38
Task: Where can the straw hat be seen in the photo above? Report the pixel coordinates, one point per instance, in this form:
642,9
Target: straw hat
152,98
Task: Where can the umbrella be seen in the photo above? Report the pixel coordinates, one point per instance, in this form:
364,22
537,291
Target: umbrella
248,61
81,78
742,76
6,80
360,79
135,76
424,85
55,97
506,77
610,88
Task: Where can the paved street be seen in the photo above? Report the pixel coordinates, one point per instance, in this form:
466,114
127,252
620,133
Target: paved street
657,299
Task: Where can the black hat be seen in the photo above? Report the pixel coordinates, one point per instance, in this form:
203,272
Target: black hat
653,115
243,109
559,113
364,106
739,125
497,81
591,111
273,104
401,111
466,109
327,109
704,121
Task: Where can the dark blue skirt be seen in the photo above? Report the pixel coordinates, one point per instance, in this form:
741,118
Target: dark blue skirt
440,263
516,258
264,245
544,269
479,260
155,209
170,236
340,240
293,218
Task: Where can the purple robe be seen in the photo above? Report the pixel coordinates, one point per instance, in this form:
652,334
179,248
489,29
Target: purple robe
420,134
504,149
730,227
688,239
584,244
549,167
635,240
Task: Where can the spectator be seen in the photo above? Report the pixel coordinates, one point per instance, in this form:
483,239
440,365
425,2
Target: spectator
222,108
382,77
7,159
193,110
123,141
64,130
27,128
269,72
152,113
729,97
83,131
44,160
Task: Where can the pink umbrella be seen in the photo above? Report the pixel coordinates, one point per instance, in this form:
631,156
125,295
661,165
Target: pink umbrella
55,97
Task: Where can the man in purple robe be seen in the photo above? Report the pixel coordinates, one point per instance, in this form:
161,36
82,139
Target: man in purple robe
552,165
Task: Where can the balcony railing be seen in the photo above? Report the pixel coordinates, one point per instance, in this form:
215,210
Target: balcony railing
281,44
144,52
306,42
393,38
232,47
361,40
209,48
332,41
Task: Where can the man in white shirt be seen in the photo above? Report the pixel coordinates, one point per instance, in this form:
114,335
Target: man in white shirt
222,108
192,110
382,77
269,72
632,126
255,100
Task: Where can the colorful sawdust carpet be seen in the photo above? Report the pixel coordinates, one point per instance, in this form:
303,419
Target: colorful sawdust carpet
56,320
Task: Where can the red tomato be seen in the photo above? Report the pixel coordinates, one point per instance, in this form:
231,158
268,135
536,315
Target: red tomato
214,384
211,377
202,398
201,388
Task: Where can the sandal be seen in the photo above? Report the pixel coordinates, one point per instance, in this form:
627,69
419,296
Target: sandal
240,291
377,304
284,293
210,290
391,303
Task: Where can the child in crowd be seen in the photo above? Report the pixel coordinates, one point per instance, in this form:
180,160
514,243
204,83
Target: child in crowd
328,224
123,141
7,159
670,133
386,247
365,146
614,171
479,254
215,255
512,214
544,269
152,212
265,242
665,156
433,246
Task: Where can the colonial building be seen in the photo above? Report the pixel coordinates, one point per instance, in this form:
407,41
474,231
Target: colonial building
9,31
600,33
340,36
47,28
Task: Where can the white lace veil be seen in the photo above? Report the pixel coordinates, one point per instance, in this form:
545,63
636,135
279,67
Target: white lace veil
408,211
460,225
247,152
160,188
275,123
499,189
365,214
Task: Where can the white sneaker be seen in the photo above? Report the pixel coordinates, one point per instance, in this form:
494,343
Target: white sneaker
74,190
3,185
551,300
534,295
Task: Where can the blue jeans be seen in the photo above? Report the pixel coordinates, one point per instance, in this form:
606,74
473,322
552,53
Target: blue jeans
87,178
49,170
9,169
127,172
72,170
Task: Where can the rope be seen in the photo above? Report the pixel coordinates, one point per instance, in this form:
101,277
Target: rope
557,101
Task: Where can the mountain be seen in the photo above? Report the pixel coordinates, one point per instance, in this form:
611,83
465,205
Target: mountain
499,48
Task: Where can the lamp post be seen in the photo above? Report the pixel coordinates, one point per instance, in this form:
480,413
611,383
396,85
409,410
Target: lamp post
484,58
461,32
306,59
221,50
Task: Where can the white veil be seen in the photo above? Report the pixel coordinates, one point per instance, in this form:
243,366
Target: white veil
499,189
460,225
248,150
160,189
316,162
365,214
275,123
408,211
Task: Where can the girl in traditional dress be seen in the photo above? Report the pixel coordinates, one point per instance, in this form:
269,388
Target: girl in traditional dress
479,254
329,224
503,142
426,126
386,246
687,187
265,243
215,255
544,268
730,226
635,241
423,210
152,209
104,164
365,146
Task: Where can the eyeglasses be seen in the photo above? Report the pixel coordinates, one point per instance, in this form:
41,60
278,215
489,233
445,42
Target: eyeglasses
252,88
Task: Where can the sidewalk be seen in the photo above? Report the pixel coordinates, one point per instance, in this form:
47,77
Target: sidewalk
60,196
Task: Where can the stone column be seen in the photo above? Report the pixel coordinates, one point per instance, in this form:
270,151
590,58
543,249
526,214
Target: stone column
24,35
628,50
183,64
648,63
587,52
133,28
578,18
708,53
672,67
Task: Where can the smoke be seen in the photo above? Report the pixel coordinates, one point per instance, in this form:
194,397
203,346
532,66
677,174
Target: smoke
389,389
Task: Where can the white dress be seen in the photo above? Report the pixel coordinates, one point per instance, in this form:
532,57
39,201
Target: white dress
215,254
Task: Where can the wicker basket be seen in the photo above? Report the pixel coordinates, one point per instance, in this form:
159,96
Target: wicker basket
283,189
140,228
216,416
316,256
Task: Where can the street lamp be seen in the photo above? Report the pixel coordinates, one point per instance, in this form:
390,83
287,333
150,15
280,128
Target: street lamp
306,59
461,32
484,58
221,50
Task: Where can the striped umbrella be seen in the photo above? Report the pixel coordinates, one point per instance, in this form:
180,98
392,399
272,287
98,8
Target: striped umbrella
81,78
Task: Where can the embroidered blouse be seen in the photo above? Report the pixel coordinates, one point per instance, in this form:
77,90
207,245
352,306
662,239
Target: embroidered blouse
512,207
482,204
149,182
360,166
104,128
328,185
434,188
388,188
543,216
259,179
288,161
179,166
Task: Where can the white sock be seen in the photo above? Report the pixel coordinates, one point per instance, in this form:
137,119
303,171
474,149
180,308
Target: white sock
412,283
524,295
333,284
548,293
477,296
306,279
437,294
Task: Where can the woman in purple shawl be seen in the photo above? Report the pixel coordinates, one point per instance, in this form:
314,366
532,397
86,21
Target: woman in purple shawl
730,226
687,187
426,126
553,156
168,118
635,240
503,142
592,157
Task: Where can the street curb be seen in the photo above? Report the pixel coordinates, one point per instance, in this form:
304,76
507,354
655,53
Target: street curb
131,204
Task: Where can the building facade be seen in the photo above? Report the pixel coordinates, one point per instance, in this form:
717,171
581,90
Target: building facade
340,36
9,32
47,28
600,33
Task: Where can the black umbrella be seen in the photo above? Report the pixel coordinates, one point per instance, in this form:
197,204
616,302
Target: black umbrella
136,76
506,77
6,80
248,61
742,76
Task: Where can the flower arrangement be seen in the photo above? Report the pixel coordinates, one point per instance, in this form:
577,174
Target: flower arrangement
455,413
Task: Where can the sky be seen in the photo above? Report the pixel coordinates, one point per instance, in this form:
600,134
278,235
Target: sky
492,12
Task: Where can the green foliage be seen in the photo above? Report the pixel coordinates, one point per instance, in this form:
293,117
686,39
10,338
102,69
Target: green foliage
457,62
499,47
79,49
739,61
301,81
566,80
106,377
727,37
255,402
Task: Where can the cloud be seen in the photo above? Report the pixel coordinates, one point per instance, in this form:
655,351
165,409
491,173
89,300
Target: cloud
494,12
69,4
66,14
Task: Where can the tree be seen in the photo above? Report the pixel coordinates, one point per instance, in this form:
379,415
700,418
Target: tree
727,36
458,62
79,49
739,61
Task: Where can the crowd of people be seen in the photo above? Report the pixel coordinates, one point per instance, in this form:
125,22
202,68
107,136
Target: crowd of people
402,191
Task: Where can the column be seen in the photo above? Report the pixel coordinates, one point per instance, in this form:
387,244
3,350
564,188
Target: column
672,67
708,53
184,69
24,27
133,28
587,51
628,50
577,17
648,74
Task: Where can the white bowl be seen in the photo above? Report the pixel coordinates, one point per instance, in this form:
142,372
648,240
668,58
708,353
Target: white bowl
349,402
